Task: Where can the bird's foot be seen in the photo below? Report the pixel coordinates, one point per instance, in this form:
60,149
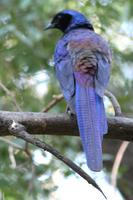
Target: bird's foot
70,112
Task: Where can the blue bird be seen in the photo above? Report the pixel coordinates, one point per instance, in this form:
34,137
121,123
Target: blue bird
82,62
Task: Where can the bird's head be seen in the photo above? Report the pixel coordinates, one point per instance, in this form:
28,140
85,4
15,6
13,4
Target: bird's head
69,19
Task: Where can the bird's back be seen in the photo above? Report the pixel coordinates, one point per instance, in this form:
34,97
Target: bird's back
94,41
88,43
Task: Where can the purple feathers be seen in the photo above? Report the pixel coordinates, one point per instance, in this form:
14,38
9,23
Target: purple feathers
92,124
82,62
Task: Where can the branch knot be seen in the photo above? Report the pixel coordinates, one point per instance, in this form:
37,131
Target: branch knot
15,127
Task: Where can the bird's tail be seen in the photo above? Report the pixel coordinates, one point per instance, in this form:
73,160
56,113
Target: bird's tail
92,124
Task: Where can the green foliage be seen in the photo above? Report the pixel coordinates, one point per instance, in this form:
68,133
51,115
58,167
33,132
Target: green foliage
26,51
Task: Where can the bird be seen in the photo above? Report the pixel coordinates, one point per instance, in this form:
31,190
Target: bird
82,60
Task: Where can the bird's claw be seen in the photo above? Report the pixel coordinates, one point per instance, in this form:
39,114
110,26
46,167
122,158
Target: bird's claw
69,111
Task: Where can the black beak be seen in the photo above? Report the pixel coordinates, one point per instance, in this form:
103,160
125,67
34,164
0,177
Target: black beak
49,26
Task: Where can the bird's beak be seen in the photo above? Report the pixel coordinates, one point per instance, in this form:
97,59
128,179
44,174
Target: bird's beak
49,26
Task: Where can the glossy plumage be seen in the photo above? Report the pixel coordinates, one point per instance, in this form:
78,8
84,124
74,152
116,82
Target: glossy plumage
82,61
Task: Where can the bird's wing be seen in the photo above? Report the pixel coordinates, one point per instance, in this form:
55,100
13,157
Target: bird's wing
64,72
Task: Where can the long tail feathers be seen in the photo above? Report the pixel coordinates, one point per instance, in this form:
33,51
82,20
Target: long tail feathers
92,124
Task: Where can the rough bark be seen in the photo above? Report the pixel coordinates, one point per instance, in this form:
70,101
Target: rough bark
61,124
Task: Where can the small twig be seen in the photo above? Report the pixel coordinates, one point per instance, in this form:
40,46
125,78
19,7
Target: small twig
9,142
114,102
12,157
27,151
31,183
10,94
117,162
56,99
19,130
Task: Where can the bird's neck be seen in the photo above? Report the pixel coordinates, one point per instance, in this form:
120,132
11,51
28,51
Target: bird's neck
79,26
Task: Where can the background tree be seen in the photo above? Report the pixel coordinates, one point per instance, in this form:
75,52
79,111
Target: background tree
26,70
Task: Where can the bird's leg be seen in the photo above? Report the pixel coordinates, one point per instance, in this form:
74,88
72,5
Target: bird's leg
69,111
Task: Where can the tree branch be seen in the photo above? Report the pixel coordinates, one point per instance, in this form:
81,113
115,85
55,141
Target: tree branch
114,102
61,124
19,130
